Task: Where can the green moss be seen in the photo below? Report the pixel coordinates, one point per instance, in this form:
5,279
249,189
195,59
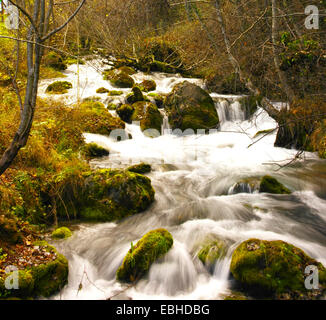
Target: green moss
157,98
55,61
59,87
9,231
102,90
190,107
128,70
269,184
115,93
148,85
125,112
43,280
140,257
148,115
140,168
211,251
273,268
135,96
119,78
61,233
70,61
112,106
92,150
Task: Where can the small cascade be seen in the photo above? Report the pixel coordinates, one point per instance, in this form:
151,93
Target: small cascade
165,129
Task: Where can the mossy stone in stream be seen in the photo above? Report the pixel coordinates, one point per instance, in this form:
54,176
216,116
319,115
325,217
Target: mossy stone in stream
102,90
158,99
61,233
211,251
114,194
113,93
269,184
119,78
59,87
42,280
148,85
135,96
93,150
140,168
140,257
190,107
274,269
148,115
125,112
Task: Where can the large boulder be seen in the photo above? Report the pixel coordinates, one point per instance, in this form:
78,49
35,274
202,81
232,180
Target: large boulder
274,269
190,107
140,257
148,115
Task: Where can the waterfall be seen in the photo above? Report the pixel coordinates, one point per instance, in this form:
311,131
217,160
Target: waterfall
204,187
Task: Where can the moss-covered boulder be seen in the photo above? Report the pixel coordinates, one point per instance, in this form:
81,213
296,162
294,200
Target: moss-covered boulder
128,70
269,184
93,150
93,117
274,269
211,251
114,194
158,99
42,280
58,87
135,96
102,90
55,61
148,115
140,257
141,168
190,107
61,233
119,78
125,112
148,85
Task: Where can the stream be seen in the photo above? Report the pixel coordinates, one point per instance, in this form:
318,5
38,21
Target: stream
194,178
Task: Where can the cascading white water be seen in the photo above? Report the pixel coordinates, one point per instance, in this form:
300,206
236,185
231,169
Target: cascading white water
192,176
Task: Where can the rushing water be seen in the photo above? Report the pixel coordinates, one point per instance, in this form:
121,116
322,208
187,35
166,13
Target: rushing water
194,178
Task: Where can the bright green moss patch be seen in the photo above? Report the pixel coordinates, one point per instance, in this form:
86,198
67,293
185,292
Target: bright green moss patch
61,233
93,150
140,168
211,251
42,280
273,269
140,257
269,184
59,87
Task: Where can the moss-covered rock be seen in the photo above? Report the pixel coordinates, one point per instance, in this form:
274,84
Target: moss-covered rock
135,96
125,112
114,93
42,280
269,184
112,106
158,99
93,150
102,90
114,194
93,117
59,87
119,78
211,251
128,70
274,269
141,168
148,85
55,61
190,107
140,257
61,233
148,115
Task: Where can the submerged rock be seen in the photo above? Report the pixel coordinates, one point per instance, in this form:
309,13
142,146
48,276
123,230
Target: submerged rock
190,107
269,184
61,233
140,257
42,280
274,269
